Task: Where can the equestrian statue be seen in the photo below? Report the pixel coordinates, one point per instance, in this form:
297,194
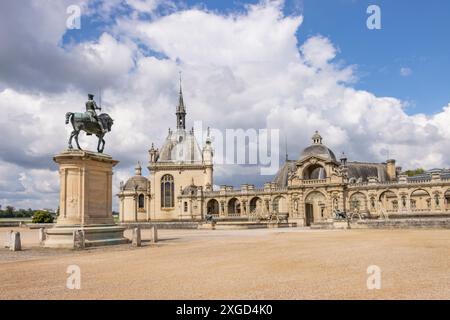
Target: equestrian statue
89,122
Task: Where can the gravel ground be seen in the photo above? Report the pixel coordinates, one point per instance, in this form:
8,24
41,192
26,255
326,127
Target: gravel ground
237,264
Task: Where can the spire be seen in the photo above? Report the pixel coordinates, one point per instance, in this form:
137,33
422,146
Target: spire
181,110
285,145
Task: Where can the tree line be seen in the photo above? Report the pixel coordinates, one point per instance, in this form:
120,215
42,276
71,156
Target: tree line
11,212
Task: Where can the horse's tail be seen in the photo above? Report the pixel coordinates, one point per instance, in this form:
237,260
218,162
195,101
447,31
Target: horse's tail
68,115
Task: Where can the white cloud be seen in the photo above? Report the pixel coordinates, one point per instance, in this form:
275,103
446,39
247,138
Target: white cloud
405,71
240,70
147,6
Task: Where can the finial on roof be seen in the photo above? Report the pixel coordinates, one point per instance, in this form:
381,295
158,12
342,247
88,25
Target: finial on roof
138,169
343,158
317,138
208,136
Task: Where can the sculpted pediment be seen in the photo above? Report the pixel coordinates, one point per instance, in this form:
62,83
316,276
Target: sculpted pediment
312,160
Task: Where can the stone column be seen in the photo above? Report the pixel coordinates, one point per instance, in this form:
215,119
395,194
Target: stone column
225,207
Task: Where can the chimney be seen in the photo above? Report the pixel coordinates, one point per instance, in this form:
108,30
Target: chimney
391,170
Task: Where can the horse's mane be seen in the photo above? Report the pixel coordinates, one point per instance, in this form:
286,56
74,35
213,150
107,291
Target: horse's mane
104,115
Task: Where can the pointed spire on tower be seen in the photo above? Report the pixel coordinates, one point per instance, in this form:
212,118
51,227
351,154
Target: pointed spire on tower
181,110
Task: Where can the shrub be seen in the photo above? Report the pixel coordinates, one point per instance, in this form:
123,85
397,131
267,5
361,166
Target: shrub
42,217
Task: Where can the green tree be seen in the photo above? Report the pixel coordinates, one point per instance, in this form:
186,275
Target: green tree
415,172
42,217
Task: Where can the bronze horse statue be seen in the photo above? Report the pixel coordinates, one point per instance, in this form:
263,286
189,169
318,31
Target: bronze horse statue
80,121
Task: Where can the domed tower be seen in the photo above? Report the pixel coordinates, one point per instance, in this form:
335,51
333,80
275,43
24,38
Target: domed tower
179,163
134,198
317,161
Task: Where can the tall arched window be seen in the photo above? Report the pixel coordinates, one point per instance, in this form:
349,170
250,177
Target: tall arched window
167,191
141,201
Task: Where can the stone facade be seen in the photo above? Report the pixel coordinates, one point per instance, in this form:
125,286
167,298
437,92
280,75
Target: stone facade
309,190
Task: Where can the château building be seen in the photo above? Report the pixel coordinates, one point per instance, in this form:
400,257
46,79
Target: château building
310,189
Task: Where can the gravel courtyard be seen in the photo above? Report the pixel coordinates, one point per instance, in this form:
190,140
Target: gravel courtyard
243,264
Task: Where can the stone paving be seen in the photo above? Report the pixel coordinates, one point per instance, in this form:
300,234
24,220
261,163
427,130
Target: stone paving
290,263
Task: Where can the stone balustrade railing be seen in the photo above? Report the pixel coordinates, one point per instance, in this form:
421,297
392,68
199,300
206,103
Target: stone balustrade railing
316,181
244,192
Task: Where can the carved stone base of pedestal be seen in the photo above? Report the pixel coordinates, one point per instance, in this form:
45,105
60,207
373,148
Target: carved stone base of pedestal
94,235
85,201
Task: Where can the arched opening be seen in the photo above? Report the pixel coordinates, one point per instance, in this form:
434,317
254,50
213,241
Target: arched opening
358,202
314,172
279,205
420,201
141,201
234,208
388,201
255,205
167,191
315,207
213,207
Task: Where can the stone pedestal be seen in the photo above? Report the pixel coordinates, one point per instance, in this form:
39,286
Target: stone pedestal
85,201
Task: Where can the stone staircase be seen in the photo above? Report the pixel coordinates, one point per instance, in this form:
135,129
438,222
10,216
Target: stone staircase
405,223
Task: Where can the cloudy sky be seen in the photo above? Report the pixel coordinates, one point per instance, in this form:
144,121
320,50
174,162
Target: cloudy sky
297,66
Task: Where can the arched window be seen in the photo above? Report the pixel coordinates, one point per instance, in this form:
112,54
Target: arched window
167,191
141,201
314,172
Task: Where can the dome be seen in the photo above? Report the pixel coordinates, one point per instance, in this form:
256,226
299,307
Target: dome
282,176
180,146
317,149
136,183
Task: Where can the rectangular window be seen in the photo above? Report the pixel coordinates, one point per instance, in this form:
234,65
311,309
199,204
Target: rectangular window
185,206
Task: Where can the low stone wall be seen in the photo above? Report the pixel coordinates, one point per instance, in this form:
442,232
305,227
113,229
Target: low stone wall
425,223
251,225
39,225
7,224
162,225
400,223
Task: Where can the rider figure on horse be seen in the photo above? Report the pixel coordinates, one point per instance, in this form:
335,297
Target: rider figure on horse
91,107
